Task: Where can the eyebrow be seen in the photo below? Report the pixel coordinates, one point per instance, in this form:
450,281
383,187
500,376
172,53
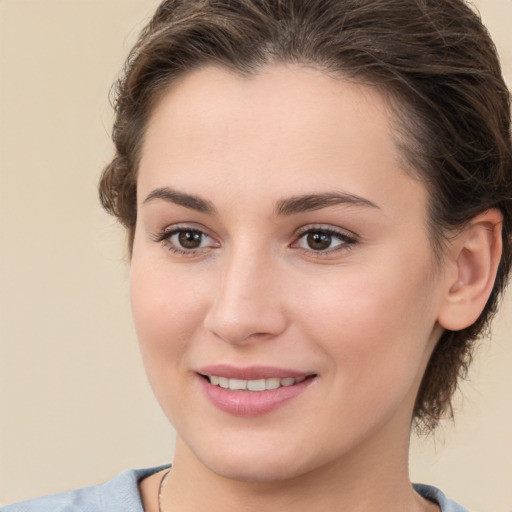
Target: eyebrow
310,202
180,198
289,206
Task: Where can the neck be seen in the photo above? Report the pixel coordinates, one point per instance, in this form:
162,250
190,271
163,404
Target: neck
374,478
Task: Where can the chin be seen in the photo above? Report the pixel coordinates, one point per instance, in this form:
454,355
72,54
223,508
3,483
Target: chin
255,471
252,462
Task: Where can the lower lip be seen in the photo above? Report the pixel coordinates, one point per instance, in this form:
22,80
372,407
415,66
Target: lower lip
251,403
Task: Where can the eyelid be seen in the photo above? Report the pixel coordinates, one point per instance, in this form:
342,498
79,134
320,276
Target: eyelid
164,238
348,238
327,228
170,229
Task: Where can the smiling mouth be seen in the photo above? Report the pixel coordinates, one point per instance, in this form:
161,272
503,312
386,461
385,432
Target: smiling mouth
256,384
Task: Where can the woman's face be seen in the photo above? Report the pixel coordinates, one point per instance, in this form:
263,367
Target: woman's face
280,246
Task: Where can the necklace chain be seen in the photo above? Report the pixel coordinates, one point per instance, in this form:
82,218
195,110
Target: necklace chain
161,489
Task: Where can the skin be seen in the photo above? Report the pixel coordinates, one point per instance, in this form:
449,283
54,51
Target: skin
363,315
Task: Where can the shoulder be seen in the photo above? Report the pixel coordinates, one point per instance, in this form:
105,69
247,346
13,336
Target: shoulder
121,494
437,496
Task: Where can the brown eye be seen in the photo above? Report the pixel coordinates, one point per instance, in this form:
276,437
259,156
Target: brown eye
318,240
324,240
189,239
186,241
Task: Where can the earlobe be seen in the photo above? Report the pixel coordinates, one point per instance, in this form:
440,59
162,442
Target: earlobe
475,255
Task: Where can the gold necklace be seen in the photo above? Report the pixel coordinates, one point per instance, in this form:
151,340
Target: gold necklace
160,490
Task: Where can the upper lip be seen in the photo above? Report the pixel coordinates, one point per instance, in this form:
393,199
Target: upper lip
251,372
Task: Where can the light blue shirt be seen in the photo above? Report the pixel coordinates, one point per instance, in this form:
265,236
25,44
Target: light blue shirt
121,494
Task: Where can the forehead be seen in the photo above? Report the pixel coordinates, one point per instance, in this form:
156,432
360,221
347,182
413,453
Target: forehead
295,98
287,126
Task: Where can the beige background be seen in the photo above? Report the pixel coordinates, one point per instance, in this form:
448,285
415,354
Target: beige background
75,408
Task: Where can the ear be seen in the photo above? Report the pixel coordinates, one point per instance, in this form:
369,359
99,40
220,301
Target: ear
473,262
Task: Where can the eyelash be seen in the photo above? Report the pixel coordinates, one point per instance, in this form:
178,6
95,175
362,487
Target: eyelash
346,240
164,238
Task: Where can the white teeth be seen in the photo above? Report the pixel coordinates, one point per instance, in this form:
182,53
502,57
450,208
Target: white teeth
273,383
237,384
254,385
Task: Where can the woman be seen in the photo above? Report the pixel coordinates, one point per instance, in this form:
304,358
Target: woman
317,197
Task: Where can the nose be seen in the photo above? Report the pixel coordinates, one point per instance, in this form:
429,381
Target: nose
246,306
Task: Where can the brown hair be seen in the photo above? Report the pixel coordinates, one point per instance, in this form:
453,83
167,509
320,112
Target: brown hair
434,57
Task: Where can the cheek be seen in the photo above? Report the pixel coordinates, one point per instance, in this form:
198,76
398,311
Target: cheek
375,324
376,343
166,314
164,301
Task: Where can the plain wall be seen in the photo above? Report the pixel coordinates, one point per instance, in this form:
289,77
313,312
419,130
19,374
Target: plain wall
75,408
